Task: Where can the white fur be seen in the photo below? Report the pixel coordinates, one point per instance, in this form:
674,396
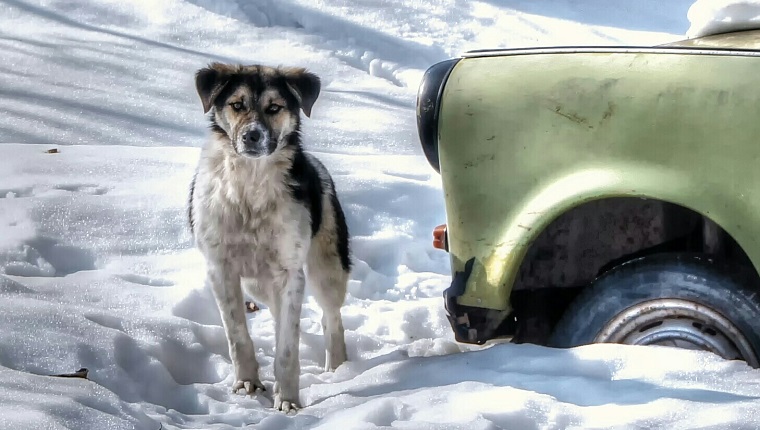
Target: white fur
256,237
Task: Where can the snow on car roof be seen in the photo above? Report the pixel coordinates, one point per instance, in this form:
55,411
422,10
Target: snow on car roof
710,17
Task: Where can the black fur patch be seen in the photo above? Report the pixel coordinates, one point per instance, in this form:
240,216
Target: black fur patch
207,83
342,231
306,186
217,129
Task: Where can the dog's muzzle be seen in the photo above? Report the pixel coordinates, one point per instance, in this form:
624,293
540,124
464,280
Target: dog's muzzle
256,142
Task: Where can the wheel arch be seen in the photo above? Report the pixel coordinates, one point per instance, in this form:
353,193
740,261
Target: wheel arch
619,229
500,267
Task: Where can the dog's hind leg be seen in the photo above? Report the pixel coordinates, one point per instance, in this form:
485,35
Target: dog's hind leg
329,284
287,316
229,297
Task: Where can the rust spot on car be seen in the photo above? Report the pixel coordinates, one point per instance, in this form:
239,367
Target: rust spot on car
608,113
479,159
572,116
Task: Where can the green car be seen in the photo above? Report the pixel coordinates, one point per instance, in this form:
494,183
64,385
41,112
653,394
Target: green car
601,194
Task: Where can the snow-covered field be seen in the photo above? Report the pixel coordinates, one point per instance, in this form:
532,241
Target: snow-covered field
97,268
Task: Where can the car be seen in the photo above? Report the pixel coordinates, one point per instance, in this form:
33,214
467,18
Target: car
601,194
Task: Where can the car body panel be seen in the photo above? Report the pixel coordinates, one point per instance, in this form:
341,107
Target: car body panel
749,39
525,135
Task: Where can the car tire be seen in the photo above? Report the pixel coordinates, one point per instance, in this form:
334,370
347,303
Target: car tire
687,301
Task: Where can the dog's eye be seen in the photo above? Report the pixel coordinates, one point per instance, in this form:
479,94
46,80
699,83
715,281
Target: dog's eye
238,106
273,109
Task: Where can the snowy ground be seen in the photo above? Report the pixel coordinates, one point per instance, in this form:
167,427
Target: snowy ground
99,271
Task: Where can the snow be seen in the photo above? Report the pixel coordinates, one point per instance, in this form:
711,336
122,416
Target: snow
97,268
720,16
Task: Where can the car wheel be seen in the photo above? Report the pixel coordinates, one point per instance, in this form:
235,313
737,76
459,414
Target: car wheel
682,301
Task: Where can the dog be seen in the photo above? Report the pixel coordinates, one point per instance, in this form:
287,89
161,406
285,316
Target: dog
265,215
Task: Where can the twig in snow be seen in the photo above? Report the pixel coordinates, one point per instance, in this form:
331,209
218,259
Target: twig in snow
81,373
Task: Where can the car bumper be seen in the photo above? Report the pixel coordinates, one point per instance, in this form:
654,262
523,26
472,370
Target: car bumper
471,324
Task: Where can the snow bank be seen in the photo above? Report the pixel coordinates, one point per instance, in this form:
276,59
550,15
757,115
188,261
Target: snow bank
721,16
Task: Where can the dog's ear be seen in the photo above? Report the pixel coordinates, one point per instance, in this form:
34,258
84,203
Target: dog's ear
209,82
305,86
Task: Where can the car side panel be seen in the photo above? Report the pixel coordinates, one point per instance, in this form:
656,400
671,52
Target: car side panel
524,138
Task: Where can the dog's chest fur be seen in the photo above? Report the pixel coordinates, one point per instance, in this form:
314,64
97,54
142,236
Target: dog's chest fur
246,212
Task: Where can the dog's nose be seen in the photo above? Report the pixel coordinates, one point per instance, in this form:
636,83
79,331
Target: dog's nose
252,137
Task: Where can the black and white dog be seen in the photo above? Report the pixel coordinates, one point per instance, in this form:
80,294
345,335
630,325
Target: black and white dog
266,217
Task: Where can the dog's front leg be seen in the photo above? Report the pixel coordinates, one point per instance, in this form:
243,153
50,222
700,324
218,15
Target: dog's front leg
287,369
229,297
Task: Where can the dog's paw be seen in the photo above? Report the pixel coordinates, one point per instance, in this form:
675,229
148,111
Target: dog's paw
247,376
284,402
285,405
250,386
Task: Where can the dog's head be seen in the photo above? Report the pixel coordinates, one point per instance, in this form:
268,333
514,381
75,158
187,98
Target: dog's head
256,107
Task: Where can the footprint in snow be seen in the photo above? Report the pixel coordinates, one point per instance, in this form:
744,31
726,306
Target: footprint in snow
91,189
146,280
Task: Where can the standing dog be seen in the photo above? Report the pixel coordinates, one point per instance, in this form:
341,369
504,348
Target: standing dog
261,211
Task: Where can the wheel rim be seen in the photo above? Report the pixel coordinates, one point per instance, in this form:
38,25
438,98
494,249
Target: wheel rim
681,324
